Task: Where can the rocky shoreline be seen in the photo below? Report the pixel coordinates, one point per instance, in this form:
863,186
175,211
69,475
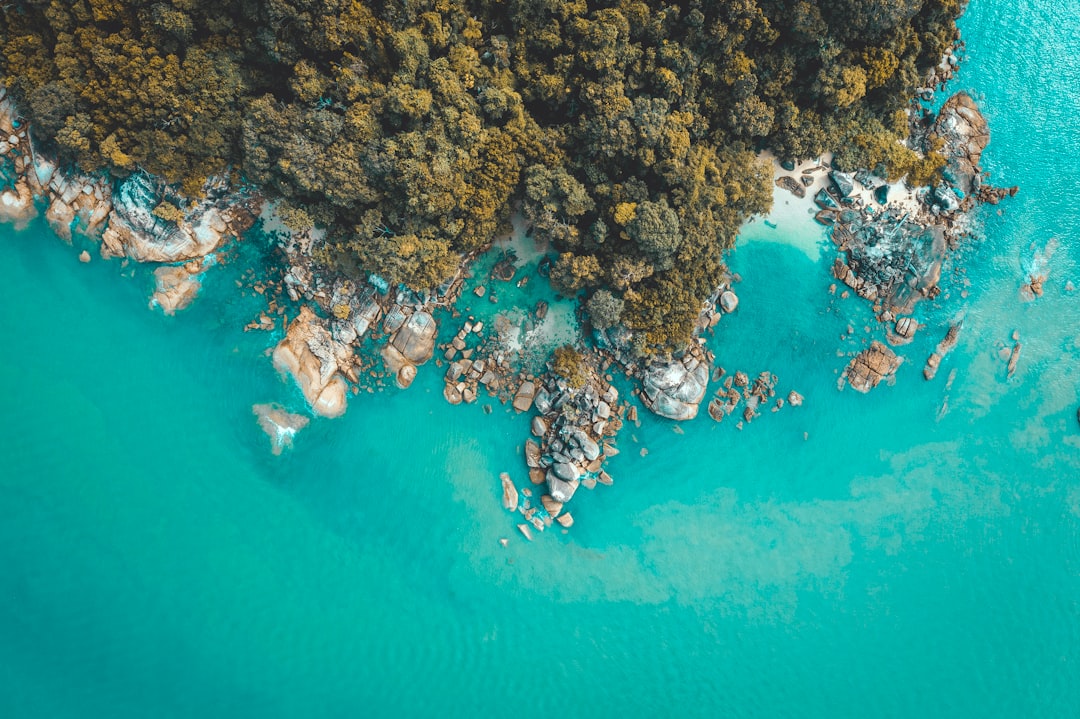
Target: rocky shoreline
138,219
892,242
890,254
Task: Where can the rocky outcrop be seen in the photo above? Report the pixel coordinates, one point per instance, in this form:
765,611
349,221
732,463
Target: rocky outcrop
729,301
791,185
415,338
965,133
315,360
675,388
943,348
894,251
870,367
523,398
281,426
135,231
176,286
125,220
509,493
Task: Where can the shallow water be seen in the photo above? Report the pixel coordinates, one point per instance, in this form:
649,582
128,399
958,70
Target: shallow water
159,561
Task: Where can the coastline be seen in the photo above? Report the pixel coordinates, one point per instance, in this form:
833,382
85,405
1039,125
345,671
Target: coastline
325,352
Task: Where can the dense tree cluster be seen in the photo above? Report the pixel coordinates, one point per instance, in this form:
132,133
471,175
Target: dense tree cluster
626,128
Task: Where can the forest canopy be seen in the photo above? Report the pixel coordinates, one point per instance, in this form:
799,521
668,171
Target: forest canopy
627,129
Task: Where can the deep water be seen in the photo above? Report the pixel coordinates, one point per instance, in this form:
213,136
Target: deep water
857,556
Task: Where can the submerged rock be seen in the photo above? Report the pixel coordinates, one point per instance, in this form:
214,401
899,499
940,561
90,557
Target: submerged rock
281,426
509,492
943,348
1014,359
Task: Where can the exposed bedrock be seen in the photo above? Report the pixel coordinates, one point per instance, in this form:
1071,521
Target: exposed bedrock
675,388
966,134
135,231
870,367
315,360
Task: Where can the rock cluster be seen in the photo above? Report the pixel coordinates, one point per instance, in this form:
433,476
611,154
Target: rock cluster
891,260
478,361
124,219
572,427
893,252
870,367
68,196
537,517
674,388
754,395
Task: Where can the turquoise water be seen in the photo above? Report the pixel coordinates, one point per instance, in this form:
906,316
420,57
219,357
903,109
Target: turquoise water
157,560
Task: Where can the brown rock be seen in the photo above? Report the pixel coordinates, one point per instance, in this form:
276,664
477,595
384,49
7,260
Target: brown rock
870,366
550,505
310,355
1014,358
510,493
406,375
175,288
565,519
532,453
452,394
524,398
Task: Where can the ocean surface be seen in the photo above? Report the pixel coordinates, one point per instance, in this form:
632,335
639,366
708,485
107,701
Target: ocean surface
914,552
